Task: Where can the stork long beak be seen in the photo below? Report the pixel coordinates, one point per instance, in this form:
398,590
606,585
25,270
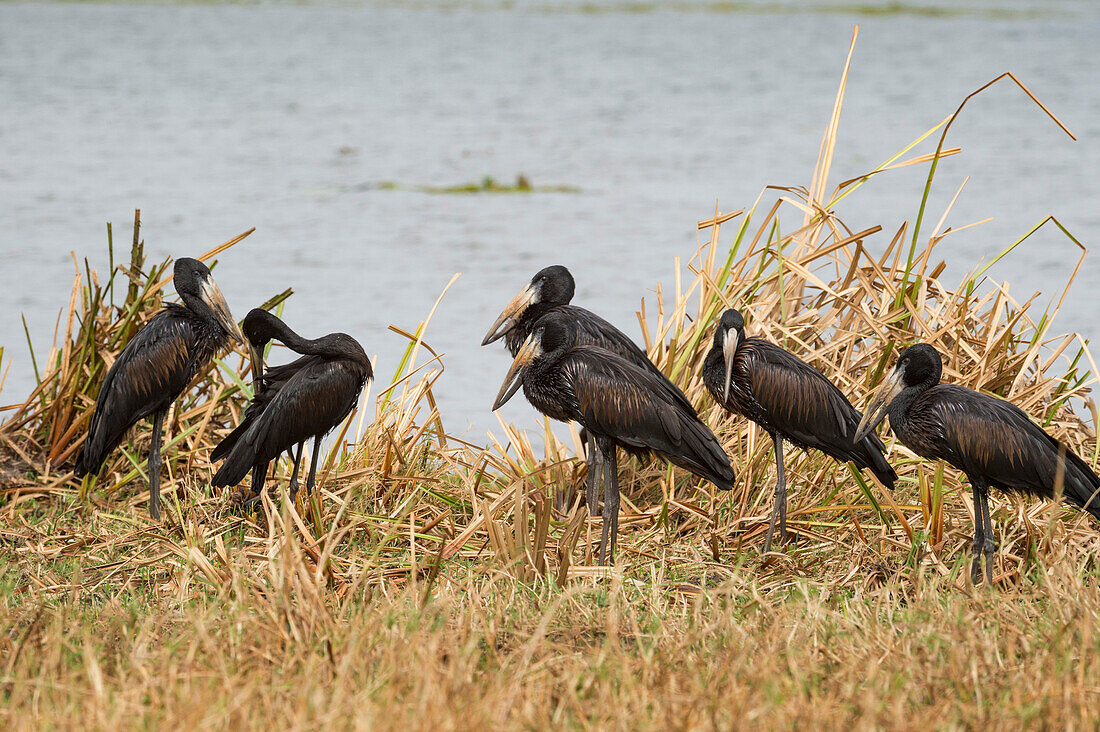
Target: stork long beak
511,313
528,352
213,297
256,354
729,350
876,409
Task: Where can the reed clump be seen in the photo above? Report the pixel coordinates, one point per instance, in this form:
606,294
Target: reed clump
438,583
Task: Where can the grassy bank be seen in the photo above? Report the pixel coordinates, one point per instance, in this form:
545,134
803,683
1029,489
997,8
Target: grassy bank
437,583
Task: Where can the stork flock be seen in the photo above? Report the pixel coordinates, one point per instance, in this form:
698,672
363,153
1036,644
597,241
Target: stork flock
574,366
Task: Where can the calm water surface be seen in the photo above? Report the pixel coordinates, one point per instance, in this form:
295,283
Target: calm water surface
286,117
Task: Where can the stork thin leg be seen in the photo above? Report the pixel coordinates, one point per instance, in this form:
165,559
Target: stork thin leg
153,466
605,466
313,465
297,459
594,467
779,508
592,463
610,502
979,532
989,545
612,497
259,472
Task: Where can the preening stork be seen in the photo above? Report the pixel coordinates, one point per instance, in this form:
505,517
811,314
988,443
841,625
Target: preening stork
258,331
791,401
156,366
304,399
619,404
991,440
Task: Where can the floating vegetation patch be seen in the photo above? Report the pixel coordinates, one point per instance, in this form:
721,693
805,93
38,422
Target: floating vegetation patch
487,184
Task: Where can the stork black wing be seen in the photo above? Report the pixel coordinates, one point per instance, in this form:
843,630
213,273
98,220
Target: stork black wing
270,383
796,400
994,439
618,399
312,402
153,369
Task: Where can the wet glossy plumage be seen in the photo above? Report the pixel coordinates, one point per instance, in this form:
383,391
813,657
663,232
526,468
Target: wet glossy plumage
265,388
791,401
151,372
155,367
991,440
619,405
614,399
301,400
786,396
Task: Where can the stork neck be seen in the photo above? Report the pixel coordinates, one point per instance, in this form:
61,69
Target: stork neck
532,313
304,346
903,402
546,361
199,308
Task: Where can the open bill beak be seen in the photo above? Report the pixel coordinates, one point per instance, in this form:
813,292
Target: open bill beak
511,314
257,358
213,297
880,402
514,379
729,350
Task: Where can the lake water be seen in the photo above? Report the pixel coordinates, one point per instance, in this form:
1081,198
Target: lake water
286,117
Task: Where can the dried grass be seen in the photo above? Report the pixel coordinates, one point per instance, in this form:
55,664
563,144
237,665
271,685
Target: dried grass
437,583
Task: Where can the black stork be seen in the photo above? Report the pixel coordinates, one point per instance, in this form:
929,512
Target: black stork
619,405
791,401
301,400
258,331
991,440
156,366
550,291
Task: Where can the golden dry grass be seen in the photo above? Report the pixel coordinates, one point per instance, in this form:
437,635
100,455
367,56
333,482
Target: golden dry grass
436,583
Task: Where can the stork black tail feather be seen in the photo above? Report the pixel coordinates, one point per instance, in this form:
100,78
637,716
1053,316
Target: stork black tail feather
233,470
226,445
1081,486
95,450
240,456
874,450
270,384
706,457
82,468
